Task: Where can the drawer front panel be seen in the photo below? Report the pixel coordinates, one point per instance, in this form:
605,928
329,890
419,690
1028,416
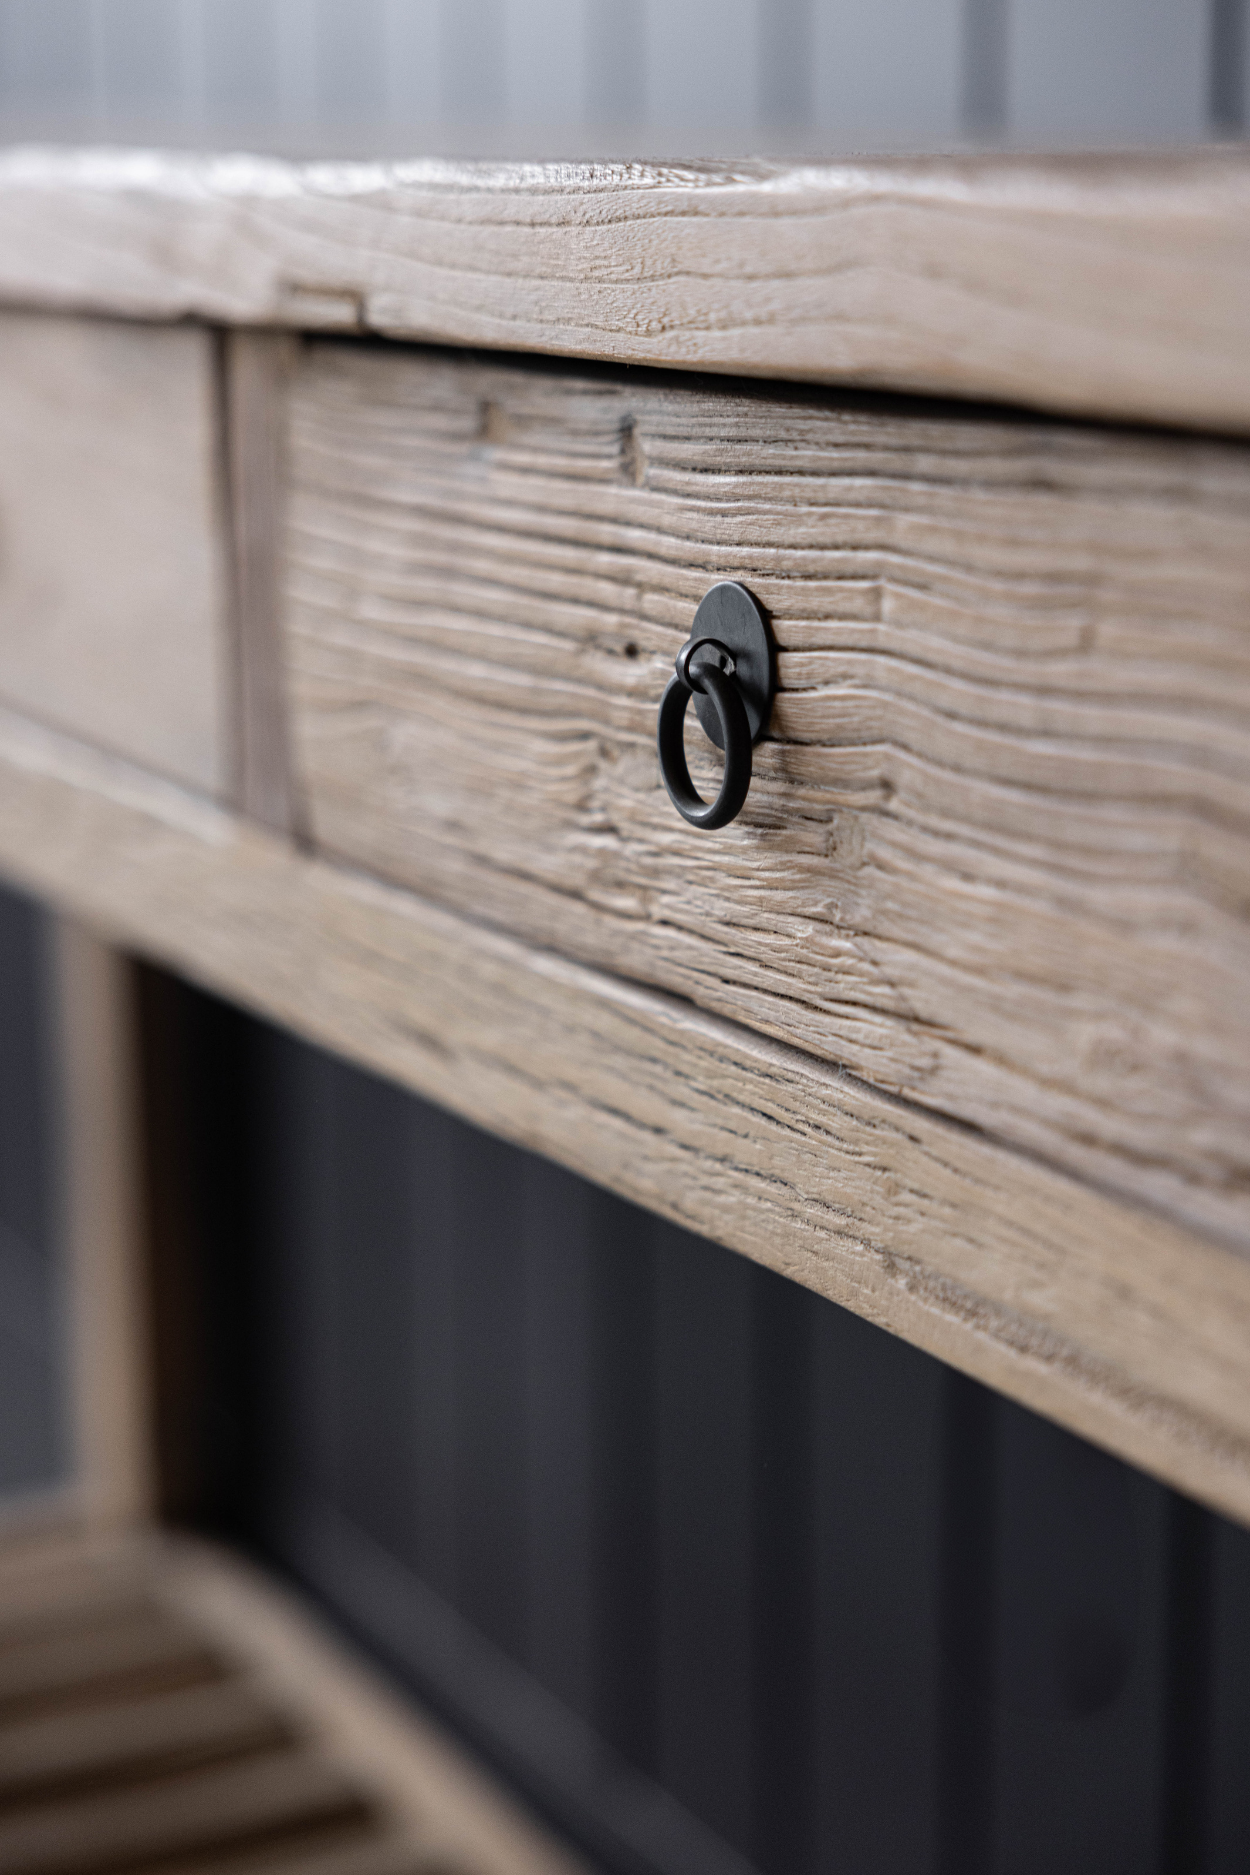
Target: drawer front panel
996,855
113,605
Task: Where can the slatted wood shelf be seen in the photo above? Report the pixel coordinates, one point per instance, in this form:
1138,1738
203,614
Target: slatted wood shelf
162,1708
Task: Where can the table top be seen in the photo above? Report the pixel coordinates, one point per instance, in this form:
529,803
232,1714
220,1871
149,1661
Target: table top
1110,286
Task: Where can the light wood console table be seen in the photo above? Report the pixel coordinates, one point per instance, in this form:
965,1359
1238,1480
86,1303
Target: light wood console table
332,638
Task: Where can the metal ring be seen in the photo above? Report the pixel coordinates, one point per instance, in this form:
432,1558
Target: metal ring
722,661
736,732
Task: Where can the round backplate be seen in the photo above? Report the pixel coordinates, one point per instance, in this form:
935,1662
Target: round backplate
730,614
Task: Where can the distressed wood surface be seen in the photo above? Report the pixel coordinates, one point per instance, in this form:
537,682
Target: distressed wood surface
1108,1318
996,855
112,578
1114,286
256,367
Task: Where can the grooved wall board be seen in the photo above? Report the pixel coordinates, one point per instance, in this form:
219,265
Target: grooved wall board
163,1706
1116,285
996,855
1105,1317
113,609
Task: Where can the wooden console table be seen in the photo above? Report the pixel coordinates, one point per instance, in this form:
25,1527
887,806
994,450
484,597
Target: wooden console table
331,646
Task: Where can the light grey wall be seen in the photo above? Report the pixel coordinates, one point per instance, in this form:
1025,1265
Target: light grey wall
624,76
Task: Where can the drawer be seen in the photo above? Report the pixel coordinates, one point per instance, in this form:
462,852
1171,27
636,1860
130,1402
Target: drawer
996,853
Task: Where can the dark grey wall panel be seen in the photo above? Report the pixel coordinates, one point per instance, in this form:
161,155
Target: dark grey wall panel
878,1455
704,1418
1118,71
1079,1654
32,1434
888,74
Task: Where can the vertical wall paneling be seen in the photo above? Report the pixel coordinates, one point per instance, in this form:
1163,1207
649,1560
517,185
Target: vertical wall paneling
876,1497
616,63
473,80
831,72
557,1221
33,1442
1123,71
295,33
350,64
790,1763
623,1422
410,64
701,71
376,1214
1078,1652
967,1597
984,63
239,48
545,63
1226,1811
306,1424
45,58
704,1415
1229,68
142,68
427,1167
889,73
784,41
490,1393
1185,1809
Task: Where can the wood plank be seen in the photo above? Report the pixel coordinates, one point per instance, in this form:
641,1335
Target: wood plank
996,857
75,1665
112,620
429,1790
151,1734
1111,286
1101,1315
109,1379
365,1855
257,365
294,1758
285,1789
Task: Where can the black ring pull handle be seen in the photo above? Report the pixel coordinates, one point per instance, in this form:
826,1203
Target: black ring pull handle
726,665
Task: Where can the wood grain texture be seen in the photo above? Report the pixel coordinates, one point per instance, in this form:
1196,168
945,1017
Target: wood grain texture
996,855
1107,1318
1107,285
112,591
257,366
109,1365
284,1753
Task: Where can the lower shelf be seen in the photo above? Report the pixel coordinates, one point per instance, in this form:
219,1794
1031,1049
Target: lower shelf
164,1706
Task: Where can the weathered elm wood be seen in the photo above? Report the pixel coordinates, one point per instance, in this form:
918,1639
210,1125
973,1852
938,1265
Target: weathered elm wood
257,365
996,855
112,589
1110,1319
1108,285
